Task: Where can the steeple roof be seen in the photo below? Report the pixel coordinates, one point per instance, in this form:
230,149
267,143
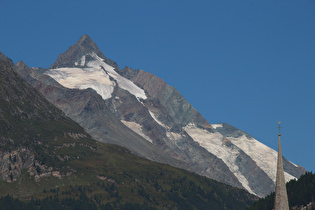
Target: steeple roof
281,197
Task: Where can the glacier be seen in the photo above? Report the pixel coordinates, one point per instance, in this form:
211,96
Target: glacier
213,142
136,127
97,75
264,156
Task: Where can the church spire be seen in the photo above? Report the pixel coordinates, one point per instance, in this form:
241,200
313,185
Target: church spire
281,197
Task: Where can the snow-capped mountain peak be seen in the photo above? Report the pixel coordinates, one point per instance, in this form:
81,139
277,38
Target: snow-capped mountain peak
141,112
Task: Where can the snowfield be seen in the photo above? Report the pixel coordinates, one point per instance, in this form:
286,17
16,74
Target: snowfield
213,142
97,75
136,128
215,126
83,78
122,81
264,156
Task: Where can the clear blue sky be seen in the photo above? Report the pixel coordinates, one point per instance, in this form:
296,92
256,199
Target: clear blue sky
247,63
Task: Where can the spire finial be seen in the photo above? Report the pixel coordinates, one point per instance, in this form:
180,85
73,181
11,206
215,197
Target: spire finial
279,126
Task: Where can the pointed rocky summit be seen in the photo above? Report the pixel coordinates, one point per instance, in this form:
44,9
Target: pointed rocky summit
84,46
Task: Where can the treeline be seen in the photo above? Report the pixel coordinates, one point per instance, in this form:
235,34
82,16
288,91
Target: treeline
50,203
301,192
177,193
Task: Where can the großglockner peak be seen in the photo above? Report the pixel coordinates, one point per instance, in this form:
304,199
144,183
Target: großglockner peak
137,110
84,46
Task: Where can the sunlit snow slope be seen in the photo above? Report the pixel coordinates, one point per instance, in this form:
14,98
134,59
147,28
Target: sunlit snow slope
264,156
213,142
95,74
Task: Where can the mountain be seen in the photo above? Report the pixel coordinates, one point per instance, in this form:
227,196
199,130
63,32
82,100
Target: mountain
76,52
50,161
82,105
139,111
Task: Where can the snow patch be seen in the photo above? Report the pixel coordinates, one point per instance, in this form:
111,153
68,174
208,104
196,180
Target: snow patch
288,177
264,156
294,164
174,136
171,135
215,126
82,61
156,120
96,76
136,128
122,81
83,78
213,142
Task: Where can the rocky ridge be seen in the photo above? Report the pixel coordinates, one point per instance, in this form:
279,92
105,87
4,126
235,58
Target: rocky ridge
160,126
44,154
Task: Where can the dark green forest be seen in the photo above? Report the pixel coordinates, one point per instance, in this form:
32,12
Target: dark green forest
301,192
178,193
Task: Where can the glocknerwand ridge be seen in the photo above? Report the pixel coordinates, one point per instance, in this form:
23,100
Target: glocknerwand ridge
139,111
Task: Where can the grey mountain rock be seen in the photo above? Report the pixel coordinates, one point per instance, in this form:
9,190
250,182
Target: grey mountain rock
196,158
75,52
162,126
230,131
41,148
6,59
101,119
88,109
183,113
176,105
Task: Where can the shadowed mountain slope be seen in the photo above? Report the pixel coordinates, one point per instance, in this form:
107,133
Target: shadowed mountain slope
44,154
137,110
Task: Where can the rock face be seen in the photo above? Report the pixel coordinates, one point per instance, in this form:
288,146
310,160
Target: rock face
178,108
89,109
14,161
6,59
84,46
139,111
30,130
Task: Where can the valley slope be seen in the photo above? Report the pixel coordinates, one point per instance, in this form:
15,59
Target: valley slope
45,154
139,111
